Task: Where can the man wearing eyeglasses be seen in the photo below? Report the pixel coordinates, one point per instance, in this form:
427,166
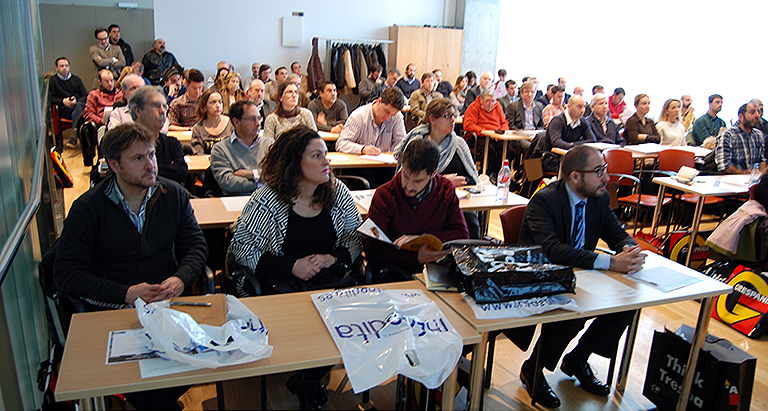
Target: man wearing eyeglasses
567,218
236,161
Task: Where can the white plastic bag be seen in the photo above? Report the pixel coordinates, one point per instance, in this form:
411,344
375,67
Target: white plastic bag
382,333
521,308
177,336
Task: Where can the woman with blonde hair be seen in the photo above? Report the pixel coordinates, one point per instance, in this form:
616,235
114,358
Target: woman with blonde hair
232,91
671,129
212,126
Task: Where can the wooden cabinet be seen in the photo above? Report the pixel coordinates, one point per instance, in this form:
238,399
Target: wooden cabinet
428,48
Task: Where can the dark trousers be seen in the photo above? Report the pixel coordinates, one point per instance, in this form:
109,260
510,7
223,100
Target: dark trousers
602,337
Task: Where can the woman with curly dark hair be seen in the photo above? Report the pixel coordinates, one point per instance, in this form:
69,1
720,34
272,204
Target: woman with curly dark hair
298,232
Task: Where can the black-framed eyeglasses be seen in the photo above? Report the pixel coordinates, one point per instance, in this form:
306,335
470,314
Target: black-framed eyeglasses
450,114
599,170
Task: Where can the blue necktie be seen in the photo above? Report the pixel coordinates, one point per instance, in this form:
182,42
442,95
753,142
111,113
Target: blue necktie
578,226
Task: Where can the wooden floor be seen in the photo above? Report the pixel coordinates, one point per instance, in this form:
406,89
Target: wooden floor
506,391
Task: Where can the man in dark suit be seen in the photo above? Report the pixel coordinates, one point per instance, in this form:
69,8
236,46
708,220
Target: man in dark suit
525,113
604,128
256,94
567,218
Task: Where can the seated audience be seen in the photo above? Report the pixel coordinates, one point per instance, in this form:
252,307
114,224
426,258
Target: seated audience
67,91
329,112
232,91
686,112
133,235
671,129
122,114
374,128
740,147
459,93
264,72
222,69
104,96
510,95
271,88
408,83
173,86
556,105
392,76
547,97
421,98
456,163
212,126
565,131
236,160
485,83
471,79
299,232
763,122
499,87
220,82
370,88
288,113
639,128
416,201
147,107
156,61
709,125
256,94
616,103
254,72
442,87
485,114
604,129
567,218
181,111
296,80
525,113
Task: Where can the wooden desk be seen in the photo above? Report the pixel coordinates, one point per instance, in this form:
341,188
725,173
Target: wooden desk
296,331
703,186
344,160
197,164
511,135
211,213
596,305
182,136
328,136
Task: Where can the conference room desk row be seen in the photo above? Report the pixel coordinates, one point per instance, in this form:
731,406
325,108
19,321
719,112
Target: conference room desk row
291,318
199,163
186,136
642,151
221,212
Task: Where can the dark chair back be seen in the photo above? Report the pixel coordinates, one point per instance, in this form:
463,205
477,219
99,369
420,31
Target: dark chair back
511,222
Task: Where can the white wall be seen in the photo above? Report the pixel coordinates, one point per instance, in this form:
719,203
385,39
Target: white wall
200,32
658,47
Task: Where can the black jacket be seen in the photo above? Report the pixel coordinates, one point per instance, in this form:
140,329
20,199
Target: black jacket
101,254
156,64
170,158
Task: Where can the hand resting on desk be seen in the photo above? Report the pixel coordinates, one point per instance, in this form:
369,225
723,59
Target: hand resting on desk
171,287
629,260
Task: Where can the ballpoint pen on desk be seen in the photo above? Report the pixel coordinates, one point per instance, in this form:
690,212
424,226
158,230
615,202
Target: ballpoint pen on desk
191,304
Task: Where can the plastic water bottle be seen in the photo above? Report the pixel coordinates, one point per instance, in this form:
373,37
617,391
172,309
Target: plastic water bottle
502,181
754,176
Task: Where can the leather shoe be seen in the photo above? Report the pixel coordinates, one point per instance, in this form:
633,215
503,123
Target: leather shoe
583,372
543,393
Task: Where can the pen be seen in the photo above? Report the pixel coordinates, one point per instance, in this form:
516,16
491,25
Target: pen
191,304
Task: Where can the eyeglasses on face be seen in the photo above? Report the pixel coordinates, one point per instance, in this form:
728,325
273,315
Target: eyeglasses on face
599,170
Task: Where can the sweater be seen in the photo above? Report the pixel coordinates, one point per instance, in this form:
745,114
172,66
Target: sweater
337,114
438,213
97,100
450,147
59,89
561,134
634,127
274,125
671,134
101,253
476,119
202,141
228,156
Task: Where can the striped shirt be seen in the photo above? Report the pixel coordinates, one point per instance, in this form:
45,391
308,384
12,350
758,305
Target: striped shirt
182,111
551,111
360,130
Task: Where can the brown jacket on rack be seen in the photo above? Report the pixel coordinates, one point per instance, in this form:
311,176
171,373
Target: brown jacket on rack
315,74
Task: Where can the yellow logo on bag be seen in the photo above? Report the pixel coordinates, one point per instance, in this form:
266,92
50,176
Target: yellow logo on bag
681,246
741,312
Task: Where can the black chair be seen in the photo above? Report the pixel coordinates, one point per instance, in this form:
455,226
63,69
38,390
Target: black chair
59,305
355,182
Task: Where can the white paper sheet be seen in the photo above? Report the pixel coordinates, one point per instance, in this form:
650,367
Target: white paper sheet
603,286
235,203
382,158
128,345
363,198
337,157
665,279
156,367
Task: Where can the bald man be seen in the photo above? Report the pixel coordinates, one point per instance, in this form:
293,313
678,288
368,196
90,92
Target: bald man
484,83
156,61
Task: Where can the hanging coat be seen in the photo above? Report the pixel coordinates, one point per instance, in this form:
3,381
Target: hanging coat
315,75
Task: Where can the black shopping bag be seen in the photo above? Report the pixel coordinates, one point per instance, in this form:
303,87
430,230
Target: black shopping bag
722,382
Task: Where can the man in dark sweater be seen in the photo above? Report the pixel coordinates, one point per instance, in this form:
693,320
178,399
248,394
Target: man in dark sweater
133,235
67,91
148,107
565,131
416,201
